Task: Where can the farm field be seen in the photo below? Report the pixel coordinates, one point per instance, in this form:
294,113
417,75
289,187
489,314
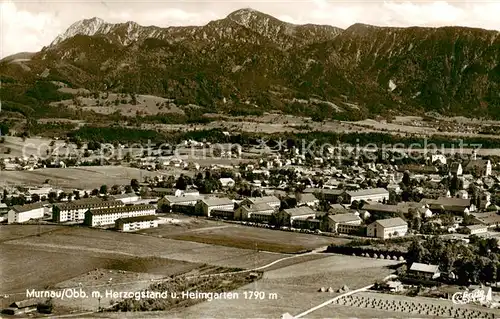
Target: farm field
78,177
101,242
257,238
422,302
24,267
10,232
296,287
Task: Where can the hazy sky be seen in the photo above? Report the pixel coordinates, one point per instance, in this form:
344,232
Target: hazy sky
28,25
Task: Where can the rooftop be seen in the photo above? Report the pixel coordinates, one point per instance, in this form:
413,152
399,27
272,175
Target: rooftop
367,192
300,211
391,222
89,203
122,209
258,207
344,218
217,201
264,199
127,195
425,268
136,219
27,207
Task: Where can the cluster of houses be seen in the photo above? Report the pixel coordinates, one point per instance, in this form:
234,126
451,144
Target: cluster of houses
360,198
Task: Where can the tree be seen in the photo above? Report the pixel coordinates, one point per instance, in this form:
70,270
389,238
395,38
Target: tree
35,198
77,194
94,192
115,190
134,183
52,197
103,190
181,183
416,252
406,178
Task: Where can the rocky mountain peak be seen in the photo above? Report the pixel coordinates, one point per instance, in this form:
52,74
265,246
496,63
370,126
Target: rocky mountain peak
83,27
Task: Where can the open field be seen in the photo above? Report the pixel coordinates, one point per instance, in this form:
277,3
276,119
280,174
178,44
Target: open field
122,245
24,267
78,177
108,103
35,146
296,287
173,224
10,232
257,238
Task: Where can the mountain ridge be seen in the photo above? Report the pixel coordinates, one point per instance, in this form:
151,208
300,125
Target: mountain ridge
252,59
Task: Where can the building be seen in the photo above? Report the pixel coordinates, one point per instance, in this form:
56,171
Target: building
331,195
136,223
22,307
476,229
207,205
440,158
21,214
290,215
258,212
425,271
108,216
456,169
40,192
478,167
75,211
127,198
490,219
186,200
272,201
387,228
227,182
307,199
367,195
450,205
307,223
334,221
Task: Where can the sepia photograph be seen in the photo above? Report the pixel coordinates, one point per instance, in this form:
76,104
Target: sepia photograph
262,159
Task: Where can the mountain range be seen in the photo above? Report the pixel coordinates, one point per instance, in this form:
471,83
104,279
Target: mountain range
252,62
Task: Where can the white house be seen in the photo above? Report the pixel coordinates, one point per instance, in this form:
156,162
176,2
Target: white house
387,228
22,214
136,223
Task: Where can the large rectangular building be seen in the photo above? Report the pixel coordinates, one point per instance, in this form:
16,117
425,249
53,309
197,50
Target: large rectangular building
108,216
136,223
24,213
207,205
75,211
387,228
367,195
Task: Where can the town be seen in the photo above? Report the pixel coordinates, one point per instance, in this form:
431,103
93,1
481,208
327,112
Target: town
435,217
